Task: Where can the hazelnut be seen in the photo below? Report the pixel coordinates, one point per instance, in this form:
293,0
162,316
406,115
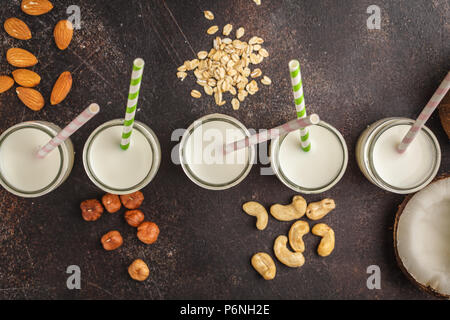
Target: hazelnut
132,200
148,232
111,202
91,209
134,217
138,270
112,240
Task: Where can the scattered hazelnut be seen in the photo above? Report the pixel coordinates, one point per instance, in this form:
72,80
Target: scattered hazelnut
132,200
134,217
111,202
112,240
148,232
138,270
91,209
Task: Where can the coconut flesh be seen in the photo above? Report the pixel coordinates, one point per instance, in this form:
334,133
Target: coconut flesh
423,236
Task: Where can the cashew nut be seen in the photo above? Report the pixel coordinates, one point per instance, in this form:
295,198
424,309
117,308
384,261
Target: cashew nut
253,208
326,245
293,211
263,263
296,233
286,256
318,210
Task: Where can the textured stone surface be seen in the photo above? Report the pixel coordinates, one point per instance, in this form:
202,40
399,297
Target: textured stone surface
352,77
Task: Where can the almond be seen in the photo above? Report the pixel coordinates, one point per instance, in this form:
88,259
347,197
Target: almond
61,88
36,7
20,58
63,33
5,83
18,29
26,78
31,98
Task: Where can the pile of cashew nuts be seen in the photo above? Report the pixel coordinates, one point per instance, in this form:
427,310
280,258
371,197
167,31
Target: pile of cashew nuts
263,262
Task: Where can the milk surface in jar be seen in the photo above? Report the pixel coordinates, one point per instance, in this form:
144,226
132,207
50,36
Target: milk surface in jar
314,171
404,170
121,171
21,171
384,166
202,157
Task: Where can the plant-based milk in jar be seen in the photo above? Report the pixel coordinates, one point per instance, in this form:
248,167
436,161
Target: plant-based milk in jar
120,171
403,170
22,172
380,162
316,170
202,157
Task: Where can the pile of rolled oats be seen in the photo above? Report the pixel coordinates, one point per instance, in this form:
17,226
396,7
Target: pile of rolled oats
226,67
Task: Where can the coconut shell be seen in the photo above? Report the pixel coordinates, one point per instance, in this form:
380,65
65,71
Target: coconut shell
444,113
401,207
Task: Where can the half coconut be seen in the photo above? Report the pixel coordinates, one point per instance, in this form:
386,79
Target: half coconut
422,237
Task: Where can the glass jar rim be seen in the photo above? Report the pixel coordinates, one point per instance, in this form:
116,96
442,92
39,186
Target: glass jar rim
44,127
275,163
391,123
184,163
150,137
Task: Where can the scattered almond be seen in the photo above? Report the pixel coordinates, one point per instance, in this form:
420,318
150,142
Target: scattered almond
61,88
258,2
31,98
212,30
63,34
36,7
5,83
208,15
20,58
26,78
18,29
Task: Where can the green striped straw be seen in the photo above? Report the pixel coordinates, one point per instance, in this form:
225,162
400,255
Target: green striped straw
299,99
133,95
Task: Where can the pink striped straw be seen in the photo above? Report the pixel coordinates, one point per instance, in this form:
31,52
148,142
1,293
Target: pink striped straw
65,133
425,114
272,133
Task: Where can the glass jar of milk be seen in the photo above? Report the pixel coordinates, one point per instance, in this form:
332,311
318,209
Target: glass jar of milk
201,152
120,171
315,171
21,171
382,165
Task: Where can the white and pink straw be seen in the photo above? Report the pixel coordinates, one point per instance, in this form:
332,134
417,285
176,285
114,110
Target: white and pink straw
272,133
65,133
425,114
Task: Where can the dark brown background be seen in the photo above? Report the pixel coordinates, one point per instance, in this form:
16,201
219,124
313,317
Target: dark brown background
352,77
